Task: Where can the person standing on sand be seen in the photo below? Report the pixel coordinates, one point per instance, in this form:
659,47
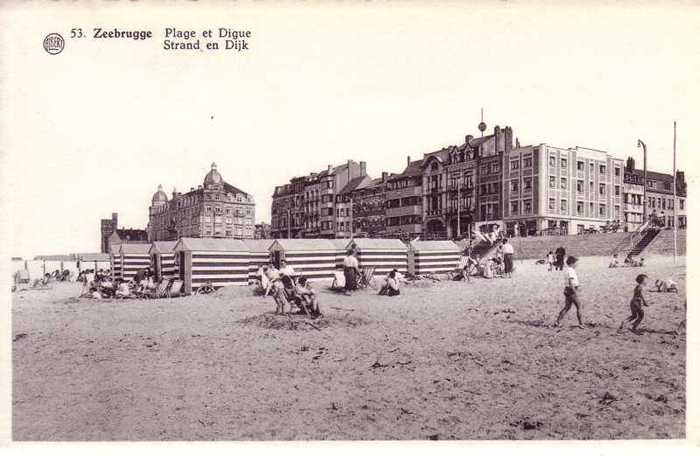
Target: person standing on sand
560,254
508,257
636,304
571,285
550,261
351,270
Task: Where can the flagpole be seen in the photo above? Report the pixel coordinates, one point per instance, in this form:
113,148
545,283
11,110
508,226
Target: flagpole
675,217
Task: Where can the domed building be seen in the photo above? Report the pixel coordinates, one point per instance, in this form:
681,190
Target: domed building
213,209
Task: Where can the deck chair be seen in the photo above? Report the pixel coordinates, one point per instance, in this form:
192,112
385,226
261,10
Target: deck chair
458,268
162,290
338,280
366,278
175,289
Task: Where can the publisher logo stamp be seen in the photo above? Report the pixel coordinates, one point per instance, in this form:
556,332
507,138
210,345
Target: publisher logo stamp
53,43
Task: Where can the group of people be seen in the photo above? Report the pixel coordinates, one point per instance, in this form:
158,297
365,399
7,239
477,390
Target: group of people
289,289
99,285
630,261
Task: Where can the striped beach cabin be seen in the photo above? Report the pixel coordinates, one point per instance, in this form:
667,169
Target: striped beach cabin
115,261
312,258
340,246
163,262
221,262
259,254
135,257
383,254
433,257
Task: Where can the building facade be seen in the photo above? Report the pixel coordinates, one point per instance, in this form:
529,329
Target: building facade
306,206
659,197
403,207
111,234
214,209
107,227
368,207
560,191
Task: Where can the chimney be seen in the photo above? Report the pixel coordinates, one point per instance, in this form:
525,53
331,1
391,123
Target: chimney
468,139
199,187
363,168
330,167
630,164
408,160
385,176
114,217
191,189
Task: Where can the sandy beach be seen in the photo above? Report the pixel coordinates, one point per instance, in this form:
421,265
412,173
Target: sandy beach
447,360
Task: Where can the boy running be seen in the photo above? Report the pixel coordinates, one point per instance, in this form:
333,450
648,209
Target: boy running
571,285
636,304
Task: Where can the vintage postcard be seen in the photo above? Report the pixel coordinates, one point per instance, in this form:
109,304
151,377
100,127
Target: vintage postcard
350,221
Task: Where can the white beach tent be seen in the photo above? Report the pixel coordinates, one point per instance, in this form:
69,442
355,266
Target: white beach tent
134,257
259,254
163,259
221,262
433,257
383,254
312,258
95,261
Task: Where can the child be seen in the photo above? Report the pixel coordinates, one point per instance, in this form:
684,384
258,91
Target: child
636,304
391,288
571,285
666,286
550,261
304,290
614,262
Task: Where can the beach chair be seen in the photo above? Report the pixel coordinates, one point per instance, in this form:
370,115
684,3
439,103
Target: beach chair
338,280
366,278
175,289
459,269
162,290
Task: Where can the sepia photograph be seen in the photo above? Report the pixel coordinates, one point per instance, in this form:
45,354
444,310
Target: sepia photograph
349,221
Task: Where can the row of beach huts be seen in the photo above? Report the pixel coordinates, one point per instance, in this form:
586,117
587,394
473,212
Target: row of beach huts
224,262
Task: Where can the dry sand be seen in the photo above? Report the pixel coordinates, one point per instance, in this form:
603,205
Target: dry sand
447,361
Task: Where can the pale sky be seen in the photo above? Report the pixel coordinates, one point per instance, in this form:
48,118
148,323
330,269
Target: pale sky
96,128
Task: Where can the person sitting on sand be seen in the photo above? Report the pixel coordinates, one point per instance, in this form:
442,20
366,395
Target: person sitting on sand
305,292
666,286
571,287
391,287
640,263
272,275
614,263
123,290
636,304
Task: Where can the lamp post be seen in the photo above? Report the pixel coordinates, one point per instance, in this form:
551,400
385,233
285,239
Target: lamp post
641,144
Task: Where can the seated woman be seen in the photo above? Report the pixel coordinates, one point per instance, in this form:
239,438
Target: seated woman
391,287
123,290
308,295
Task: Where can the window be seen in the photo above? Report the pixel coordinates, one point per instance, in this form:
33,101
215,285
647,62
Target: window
667,185
514,208
484,169
552,160
562,206
602,169
552,182
601,189
495,167
579,207
564,162
527,162
579,186
208,210
601,210
527,183
527,206
617,171
592,168
579,165
681,203
551,204
563,182
617,190
590,209
514,185
514,164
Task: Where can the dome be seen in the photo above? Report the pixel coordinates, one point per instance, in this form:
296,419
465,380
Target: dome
159,196
213,176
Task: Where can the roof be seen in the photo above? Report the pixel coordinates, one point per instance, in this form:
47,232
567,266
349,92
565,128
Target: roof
379,244
413,169
134,248
258,245
163,247
434,245
355,183
210,245
233,189
55,257
340,244
304,244
92,256
114,248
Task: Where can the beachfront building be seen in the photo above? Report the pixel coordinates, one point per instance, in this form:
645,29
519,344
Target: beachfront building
659,197
111,234
404,202
215,209
368,211
306,206
560,191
